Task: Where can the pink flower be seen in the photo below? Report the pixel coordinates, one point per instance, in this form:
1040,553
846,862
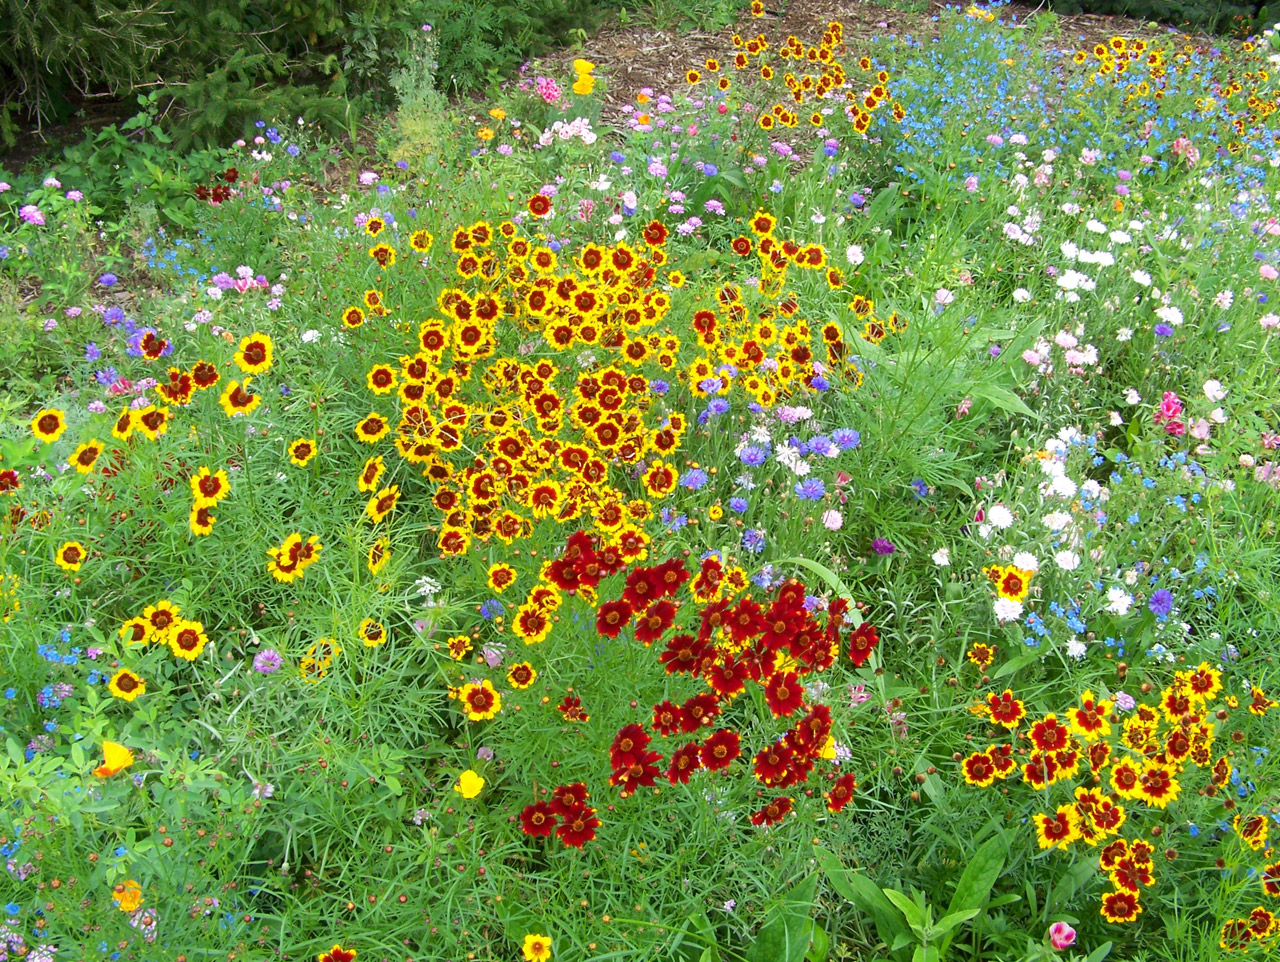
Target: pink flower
971,183
1170,406
1061,935
964,407
1269,272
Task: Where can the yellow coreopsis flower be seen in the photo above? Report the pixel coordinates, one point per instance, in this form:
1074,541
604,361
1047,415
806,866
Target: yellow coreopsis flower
469,784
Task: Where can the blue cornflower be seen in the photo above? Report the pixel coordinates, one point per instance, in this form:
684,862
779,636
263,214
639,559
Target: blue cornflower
618,157
12,909
1161,603
819,383
11,693
710,385
113,314
694,479
490,609
91,352
659,387
846,438
107,279
920,489
753,540
811,489
753,456
738,505
293,150
717,405
1163,330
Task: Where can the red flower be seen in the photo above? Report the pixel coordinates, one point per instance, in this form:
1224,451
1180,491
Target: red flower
771,763
569,796
684,762
641,588
612,617
841,792
684,653
655,621
571,708
337,953
728,677
713,619
720,749
669,576
655,233
578,826
539,205
538,820
784,694
809,736
862,642
629,740
700,710
668,718
746,620
635,770
773,813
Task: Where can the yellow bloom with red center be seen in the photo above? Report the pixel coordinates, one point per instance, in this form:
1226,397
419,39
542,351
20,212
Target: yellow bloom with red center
135,631
979,770
256,354
480,701
236,400
501,577
373,428
187,639
123,427
86,456
209,487
982,655
536,948
200,521
459,647
49,424
521,675
1058,830
302,451
70,556
152,421
381,379
1090,719
379,555
1011,582
1120,907
370,475
420,241
531,624
125,685
116,758
383,503
384,254
1252,830
372,633
1158,785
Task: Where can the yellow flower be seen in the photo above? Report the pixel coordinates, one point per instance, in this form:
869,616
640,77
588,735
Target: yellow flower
256,354
485,133
536,948
301,451
48,425
115,758
128,896
584,85
581,67
126,685
469,784
70,556
497,113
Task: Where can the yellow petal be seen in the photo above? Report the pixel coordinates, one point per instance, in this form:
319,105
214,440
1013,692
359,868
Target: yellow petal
469,784
116,758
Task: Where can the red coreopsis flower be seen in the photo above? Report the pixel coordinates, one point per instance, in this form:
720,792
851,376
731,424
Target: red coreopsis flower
862,642
1006,710
781,623
612,617
538,820
684,653
784,694
577,826
1048,735
720,749
565,797
772,763
668,718
670,576
655,621
745,621
655,234
571,708
629,740
539,206
641,588
773,813
713,620
337,953
684,762
635,770
700,710
841,792
809,736
728,677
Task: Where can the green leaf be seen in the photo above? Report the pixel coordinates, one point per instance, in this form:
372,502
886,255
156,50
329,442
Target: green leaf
819,946
823,572
1001,398
915,918
949,922
1016,664
865,894
1100,953
785,937
976,881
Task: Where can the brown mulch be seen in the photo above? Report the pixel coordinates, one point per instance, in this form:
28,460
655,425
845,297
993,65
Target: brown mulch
632,56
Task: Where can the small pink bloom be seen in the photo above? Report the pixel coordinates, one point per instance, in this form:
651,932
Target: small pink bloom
1061,935
1268,272
1170,406
963,408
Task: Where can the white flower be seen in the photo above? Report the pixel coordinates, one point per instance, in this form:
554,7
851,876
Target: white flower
1067,560
1000,516
1131,396
1063,486
832,520
310,337
1218,416
1116,419
1056,521
854,254
1119,601
427,586
1096,226
1021,295
1075,648
943,297
1124,334
1170,315
1214,390
1026,561
1007,610
942,558
1119,237
1091,489
1141,277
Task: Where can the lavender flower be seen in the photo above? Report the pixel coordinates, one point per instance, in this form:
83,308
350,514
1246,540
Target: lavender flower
267,661
883,546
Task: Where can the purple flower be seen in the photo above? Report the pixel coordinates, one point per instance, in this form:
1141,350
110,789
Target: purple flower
1164,330
91,352
484,753
717,405
883,546
753,456
694,479
738,504
846,438
811,489
491,609
106,280
31,214
1161,603
267,661
1125,701
659,387
753,540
